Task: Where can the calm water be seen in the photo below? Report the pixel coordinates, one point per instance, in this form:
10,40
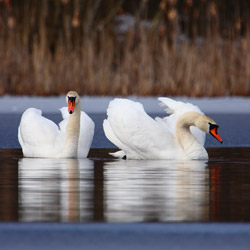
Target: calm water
103,189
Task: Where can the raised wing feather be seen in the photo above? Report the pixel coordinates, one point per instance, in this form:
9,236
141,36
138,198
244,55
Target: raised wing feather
37,130
86,135
65,116
176,109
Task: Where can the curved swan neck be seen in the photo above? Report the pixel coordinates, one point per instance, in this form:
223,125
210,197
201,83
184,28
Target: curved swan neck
190,145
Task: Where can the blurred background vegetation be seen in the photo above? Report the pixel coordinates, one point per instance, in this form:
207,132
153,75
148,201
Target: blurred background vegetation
124,47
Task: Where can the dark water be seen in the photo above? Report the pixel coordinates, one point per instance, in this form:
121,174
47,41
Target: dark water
103,189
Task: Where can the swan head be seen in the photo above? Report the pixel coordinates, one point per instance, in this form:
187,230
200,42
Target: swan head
208,126
73,99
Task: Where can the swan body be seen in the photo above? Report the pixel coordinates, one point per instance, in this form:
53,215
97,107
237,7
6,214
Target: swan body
40,137
181,135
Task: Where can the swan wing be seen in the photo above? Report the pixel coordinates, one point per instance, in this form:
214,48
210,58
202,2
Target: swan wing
65,115
36,131
87,127
134,132
86,135
177,108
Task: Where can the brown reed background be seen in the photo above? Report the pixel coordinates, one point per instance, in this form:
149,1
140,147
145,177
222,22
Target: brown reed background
174,47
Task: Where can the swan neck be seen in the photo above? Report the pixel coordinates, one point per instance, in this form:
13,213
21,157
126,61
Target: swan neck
73,127
73,130
185,137
191,147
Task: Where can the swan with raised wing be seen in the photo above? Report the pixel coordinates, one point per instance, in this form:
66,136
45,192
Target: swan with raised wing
40,137
181,135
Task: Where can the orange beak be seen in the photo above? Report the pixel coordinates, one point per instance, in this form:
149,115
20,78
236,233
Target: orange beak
214,133
71,106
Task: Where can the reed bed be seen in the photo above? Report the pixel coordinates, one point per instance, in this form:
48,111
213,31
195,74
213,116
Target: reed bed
48,47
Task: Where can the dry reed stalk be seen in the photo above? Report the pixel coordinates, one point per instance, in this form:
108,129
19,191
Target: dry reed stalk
211,69
81,52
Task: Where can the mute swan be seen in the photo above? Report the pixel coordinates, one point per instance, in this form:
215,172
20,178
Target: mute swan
40,137
141,137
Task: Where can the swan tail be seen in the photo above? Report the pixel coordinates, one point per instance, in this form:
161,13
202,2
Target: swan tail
119,154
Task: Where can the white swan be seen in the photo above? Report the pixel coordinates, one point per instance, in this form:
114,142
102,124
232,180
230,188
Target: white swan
40,137
141,137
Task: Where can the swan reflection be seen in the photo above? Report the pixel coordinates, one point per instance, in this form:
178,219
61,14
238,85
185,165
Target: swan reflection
115,191
156,191
55,189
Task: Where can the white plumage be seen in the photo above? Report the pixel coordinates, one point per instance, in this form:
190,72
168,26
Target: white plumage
87,128
40,137
139,136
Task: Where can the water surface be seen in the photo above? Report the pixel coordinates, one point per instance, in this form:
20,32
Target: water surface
103,189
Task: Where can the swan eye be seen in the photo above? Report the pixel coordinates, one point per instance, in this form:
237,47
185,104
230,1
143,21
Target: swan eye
213,127
71,98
